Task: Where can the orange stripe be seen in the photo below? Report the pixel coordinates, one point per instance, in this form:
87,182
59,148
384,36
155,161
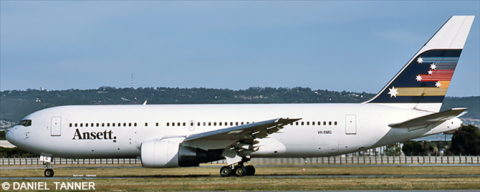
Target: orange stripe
444,84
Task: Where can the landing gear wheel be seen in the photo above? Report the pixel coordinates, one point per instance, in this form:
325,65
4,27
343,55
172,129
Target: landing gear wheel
249,170
225,171
48,173
240,171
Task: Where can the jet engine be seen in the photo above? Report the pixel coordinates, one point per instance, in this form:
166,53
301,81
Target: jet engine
171,153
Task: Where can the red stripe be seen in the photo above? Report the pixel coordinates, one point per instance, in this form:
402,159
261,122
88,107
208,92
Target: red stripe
438,75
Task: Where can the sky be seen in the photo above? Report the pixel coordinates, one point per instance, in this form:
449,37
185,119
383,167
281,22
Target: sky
347,45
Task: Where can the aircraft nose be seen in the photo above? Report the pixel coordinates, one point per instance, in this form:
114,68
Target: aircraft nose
10,137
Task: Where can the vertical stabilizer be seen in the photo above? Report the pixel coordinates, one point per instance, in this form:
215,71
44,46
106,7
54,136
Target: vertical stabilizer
423,82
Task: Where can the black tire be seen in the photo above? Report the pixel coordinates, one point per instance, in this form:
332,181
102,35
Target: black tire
48,173
250,170
225,171
240,171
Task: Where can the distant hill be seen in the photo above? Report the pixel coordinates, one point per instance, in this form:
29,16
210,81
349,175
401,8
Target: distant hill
14,105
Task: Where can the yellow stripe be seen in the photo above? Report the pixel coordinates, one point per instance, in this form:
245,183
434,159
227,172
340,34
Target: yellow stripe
421,91
444,84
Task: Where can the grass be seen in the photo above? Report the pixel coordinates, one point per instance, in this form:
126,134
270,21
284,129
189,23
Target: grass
207,178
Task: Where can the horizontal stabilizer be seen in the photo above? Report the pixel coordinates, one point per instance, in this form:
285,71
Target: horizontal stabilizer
431,120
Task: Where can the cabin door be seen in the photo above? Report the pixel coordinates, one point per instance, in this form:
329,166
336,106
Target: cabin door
55,127
351,124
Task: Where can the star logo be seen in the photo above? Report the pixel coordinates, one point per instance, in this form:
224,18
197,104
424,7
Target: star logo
433,66
438,84
420,60
430,72
419,78
393,92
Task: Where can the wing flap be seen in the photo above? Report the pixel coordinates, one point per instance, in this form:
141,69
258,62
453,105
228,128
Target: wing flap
429,120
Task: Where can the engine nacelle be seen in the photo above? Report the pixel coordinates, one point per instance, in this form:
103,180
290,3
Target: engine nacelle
171,153
160,153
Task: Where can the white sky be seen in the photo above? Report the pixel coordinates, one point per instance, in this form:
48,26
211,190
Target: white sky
352,46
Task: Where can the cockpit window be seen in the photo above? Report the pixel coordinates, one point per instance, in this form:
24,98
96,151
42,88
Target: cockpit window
25,122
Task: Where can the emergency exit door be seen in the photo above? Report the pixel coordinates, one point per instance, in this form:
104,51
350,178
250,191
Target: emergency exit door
55,127
351,124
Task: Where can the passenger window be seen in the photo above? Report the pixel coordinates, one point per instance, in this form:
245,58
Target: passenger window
81,124
204,124
313,122
135,124
324,123
129,124
296,123
76,125
156,124
302,122
198,124
113,124
236,123
70,124
146,124
91,124
173,124
86,124
184,124
191,123
214,123
329,123
124,124
168,124
220,123
335,123
178,123
308,122
209,123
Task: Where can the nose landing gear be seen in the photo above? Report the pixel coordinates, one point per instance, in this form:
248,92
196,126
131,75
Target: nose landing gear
48,171
46,163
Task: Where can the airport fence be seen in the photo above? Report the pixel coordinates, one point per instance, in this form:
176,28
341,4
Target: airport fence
271,161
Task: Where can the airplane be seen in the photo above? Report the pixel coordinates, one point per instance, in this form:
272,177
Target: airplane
184,135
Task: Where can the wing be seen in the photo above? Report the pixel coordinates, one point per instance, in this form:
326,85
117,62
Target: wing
249,131
430,120
237,142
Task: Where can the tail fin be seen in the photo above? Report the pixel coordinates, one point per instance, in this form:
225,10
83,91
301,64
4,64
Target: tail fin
423,82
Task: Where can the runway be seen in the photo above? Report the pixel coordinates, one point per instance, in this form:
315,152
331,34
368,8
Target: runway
93,177
268,177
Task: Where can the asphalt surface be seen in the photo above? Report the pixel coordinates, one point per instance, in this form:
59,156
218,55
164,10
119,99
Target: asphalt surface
93,177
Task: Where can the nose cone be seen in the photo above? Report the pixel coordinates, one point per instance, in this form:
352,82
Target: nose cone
10,137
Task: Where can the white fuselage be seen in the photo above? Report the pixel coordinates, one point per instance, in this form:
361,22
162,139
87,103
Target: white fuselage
118,130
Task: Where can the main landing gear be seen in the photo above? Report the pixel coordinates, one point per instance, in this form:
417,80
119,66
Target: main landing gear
48,171
239,170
